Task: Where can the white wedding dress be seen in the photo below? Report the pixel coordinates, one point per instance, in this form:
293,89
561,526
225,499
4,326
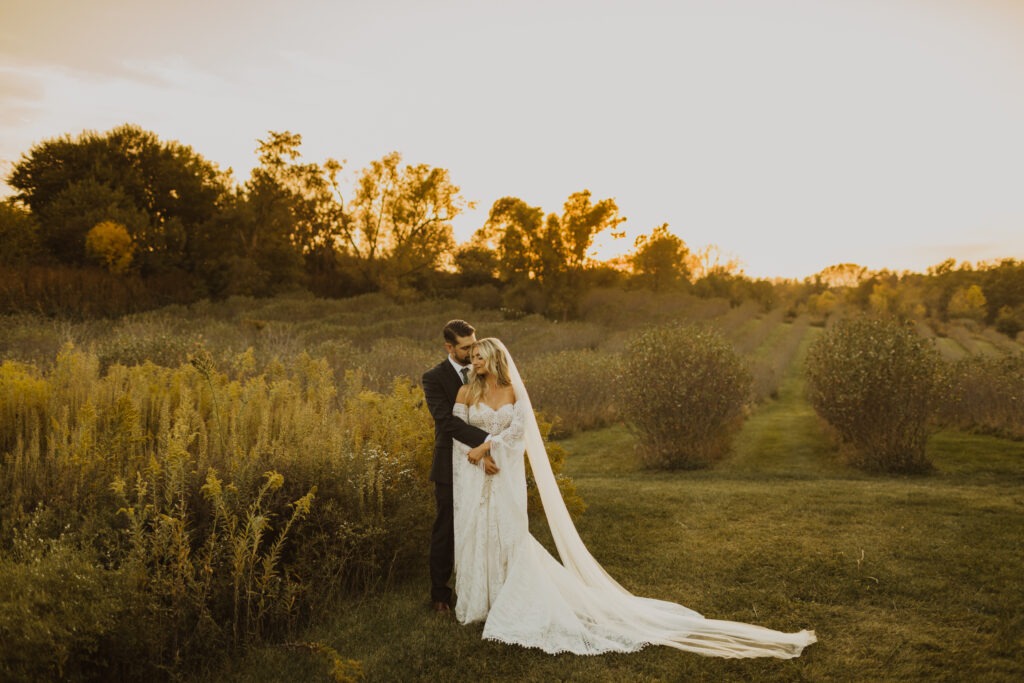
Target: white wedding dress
505,578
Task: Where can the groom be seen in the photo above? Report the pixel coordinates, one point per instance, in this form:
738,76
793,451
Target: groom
440,387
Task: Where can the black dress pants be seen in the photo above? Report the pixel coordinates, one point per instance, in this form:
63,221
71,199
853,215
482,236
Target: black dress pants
442,545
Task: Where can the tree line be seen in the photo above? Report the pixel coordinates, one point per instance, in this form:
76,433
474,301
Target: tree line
136,207
988,294
132,204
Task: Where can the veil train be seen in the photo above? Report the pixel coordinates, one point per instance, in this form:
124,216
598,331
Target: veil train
614,615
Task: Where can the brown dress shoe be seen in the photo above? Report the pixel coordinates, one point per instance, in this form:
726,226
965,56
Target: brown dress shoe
442,607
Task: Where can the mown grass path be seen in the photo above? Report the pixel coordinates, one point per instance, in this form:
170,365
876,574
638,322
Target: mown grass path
903,578
783,438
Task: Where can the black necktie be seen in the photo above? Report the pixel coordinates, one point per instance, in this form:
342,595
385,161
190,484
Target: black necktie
465,375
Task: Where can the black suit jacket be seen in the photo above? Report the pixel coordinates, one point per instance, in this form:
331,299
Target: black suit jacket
440,387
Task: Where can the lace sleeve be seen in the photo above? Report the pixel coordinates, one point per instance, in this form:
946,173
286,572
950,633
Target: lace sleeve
512,438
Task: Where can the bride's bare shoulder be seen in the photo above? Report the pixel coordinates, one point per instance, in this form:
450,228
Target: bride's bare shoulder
463,394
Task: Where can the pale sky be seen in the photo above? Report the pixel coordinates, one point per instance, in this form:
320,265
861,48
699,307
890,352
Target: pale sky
793,134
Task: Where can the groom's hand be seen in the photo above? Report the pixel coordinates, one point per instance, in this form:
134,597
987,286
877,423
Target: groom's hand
475,454
490,467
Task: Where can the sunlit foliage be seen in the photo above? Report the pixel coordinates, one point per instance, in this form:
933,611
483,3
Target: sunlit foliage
109,244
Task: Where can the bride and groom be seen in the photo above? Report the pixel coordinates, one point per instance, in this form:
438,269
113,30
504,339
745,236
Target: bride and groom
485,430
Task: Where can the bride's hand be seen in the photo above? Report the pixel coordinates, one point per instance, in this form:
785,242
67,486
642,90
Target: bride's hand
480,451
490,467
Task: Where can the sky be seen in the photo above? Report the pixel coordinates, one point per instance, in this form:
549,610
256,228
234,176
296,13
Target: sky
791,134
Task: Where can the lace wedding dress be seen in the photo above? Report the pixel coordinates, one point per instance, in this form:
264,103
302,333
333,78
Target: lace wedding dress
505,578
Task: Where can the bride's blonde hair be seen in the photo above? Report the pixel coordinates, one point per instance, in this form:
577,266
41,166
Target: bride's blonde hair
494,362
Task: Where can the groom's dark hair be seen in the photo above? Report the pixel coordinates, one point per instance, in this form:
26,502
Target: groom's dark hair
457,328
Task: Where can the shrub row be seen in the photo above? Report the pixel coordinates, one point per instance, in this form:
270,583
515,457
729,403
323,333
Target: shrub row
986,394
576,388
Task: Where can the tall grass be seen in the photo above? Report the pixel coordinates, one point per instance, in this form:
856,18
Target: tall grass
225,508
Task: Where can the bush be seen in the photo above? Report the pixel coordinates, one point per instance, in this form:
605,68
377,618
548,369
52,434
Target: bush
875,381
986,395
58,609
683,390
575,388
1010,321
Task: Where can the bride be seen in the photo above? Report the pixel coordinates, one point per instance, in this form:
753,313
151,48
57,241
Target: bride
505,578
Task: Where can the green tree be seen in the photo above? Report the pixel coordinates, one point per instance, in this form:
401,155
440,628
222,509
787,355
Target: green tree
822,304
1010,321
532,247
711,260
660,259
307,193
1003,283
718,275
281,225
477,265
19,235
66,219
161,191
883,298
942,281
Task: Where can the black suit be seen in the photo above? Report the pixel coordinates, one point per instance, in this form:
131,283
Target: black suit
441,385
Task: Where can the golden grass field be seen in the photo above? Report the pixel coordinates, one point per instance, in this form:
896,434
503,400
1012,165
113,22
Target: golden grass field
292,406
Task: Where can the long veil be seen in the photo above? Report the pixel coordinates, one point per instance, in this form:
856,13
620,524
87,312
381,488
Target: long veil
640,619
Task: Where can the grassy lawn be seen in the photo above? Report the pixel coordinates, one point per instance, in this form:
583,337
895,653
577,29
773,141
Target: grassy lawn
903,578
